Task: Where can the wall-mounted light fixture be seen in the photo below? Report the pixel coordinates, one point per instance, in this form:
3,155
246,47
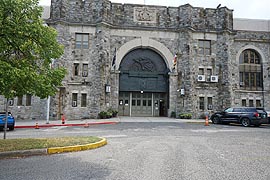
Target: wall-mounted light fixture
107,88
182,92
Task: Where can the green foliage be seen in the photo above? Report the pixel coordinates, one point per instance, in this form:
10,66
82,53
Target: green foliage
107,114
32,143
113,112
185,116
27,48
173,114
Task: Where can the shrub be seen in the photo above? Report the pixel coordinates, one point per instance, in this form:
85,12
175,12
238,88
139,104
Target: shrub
102,115
113,112
185,116
173,114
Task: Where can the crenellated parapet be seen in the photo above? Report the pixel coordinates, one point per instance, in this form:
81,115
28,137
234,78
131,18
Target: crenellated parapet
141,16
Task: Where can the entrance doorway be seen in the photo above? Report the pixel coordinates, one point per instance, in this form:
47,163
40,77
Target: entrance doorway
142,104
143,84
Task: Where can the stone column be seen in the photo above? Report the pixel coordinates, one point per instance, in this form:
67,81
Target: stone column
173,85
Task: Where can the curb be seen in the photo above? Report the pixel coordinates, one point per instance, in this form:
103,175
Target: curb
48,151
77,148
53,125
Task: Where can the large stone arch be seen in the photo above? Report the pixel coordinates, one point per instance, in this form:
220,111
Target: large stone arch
145,42
250,47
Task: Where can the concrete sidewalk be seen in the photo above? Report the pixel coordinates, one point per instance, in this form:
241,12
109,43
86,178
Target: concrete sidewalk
119,119
52,123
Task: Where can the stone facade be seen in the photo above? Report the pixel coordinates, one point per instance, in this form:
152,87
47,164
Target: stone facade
116,29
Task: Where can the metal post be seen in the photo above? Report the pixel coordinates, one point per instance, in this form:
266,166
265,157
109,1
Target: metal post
48,110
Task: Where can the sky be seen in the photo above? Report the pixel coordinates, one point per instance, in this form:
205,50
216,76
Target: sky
249,9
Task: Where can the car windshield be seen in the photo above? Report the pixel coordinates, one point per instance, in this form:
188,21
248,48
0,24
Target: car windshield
228,110
4,113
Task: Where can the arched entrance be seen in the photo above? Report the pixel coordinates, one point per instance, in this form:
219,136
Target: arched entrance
143,84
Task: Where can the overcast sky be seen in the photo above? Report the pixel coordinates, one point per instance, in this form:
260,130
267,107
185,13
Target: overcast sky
251,9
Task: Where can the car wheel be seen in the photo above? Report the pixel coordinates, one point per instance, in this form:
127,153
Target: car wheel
257,125
245,122
216,120
11,128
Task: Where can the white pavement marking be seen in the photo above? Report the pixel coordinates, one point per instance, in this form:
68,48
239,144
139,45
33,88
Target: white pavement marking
56,128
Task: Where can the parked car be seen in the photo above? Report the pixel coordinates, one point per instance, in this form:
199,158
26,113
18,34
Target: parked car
268,115
10,123
243,115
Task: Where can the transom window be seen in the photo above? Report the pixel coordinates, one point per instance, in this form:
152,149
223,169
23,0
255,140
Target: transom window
250,70
204,47
81,40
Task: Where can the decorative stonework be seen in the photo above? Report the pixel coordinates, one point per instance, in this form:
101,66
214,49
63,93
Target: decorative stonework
143,64
145,14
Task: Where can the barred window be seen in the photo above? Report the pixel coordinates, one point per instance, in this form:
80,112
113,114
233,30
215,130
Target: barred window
204,47
82,41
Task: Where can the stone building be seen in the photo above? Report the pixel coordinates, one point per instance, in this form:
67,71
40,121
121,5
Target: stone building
147,60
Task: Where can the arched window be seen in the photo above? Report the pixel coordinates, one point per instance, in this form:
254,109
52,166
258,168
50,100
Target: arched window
250,70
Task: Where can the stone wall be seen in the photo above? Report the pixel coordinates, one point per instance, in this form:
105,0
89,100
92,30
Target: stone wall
166,30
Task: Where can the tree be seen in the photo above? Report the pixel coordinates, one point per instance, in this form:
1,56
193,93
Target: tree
27,48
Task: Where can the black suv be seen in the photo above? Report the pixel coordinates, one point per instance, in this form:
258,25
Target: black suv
244,115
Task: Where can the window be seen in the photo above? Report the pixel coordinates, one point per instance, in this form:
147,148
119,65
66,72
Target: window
244,102
28,100
74,99
250,70
209,74
85,70
19,101
84,100
210,103
81,41
144,102
76,69
204,47
258,103
201,103
201,71
251,103
11,102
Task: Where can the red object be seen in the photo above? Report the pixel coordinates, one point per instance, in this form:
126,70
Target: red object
174,60
206,121
63,119
256,114
36,127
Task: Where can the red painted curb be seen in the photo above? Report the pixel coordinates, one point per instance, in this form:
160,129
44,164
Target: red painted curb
52,125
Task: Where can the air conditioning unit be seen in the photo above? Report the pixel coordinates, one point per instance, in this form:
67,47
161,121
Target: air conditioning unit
214,78
210,107
84,73
241,83
74,103
201,78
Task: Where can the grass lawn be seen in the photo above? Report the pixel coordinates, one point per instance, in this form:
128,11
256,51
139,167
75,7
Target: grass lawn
40,143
